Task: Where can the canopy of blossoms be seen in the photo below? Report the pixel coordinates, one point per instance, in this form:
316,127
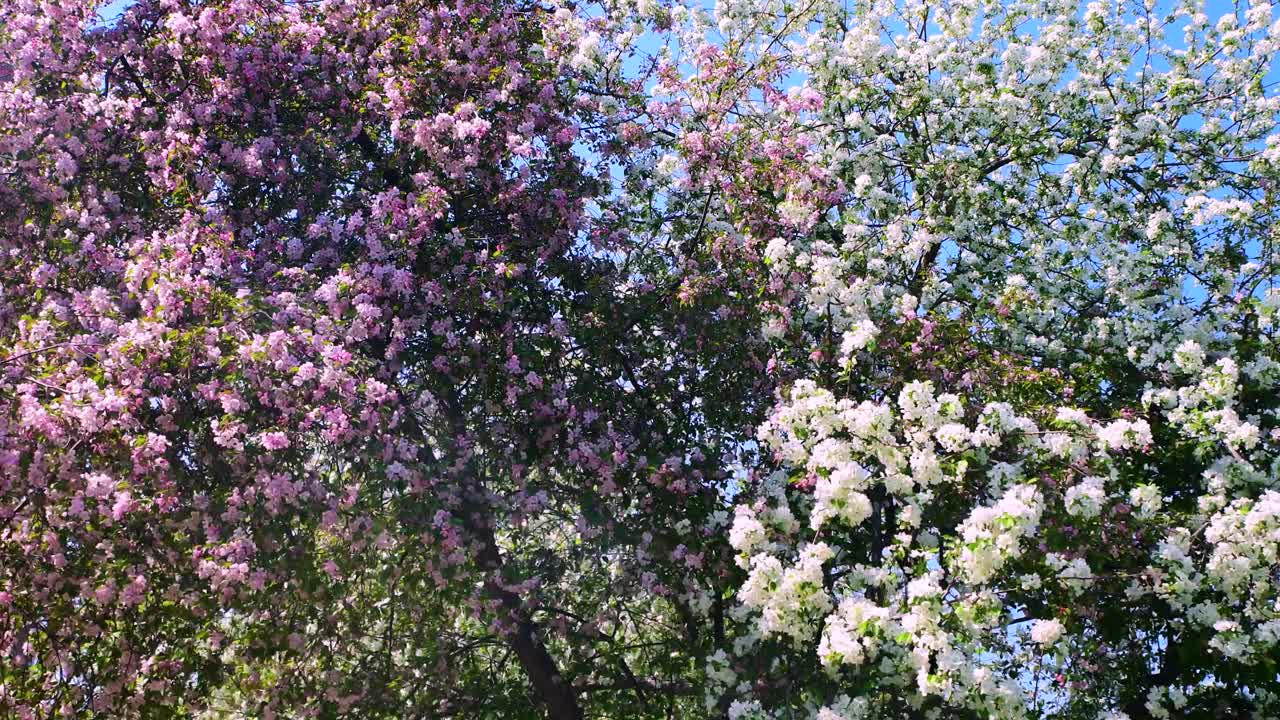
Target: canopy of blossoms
752,360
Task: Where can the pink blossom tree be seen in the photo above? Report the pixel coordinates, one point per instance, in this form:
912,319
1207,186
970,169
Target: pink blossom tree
320,397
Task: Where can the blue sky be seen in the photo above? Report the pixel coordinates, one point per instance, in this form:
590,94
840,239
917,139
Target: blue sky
112,10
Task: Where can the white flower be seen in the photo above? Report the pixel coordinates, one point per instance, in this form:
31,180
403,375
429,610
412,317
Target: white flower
992,535
953,437
1189,356
1046,632
917,401
778,252
746,710
925,469
1076,575
792,599
1085,499
847,638
837,496
1073,416
1125,434
747,531
858,337
845,708
588,53
1147,500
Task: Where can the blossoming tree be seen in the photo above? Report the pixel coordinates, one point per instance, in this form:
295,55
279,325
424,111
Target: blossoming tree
771,360
1018,268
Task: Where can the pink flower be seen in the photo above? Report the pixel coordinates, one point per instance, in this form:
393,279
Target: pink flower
123,506
275,440
135,591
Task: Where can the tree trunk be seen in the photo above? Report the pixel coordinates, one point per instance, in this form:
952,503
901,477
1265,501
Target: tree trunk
538,665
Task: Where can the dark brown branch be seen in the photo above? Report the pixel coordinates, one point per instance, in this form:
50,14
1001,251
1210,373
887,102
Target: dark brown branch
539,666
390,174
522,636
